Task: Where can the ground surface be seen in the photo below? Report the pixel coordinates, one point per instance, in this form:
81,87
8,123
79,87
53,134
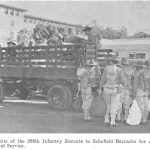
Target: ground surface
38,118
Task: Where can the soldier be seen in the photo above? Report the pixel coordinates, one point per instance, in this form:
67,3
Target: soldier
141,87
94,35
95,75
146,77
11,53
111,81
125,99
84,74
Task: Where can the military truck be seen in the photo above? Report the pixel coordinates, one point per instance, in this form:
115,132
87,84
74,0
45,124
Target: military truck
48,70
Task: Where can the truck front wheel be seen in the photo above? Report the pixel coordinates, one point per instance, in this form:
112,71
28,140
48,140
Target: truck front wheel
58,97
1,92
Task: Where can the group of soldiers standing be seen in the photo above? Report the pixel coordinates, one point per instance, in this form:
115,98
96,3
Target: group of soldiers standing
124,87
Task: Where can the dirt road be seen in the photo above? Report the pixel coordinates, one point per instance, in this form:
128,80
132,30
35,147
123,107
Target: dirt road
38,118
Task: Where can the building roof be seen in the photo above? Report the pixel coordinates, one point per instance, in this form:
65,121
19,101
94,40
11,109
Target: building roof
127,44
12,7
128,47
48,20
34,17
129,41
140,35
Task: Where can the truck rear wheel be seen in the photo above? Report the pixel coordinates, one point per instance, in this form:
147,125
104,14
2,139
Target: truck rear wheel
1,92
59,97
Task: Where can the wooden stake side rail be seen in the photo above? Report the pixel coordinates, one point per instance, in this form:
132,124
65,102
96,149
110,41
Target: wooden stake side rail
55,62
39,73
102,55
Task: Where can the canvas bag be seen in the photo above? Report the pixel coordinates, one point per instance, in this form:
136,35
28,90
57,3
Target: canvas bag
135,114
98,107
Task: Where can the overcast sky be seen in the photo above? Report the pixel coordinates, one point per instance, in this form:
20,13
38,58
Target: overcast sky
134,15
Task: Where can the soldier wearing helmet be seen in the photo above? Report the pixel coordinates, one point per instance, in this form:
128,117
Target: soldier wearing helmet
141,86
85,75
110,82
125,99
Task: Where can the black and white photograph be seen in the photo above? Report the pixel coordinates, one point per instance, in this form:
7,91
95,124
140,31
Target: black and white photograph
75,67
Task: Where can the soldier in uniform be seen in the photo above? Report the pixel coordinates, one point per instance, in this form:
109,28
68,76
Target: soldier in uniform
11,53
146,74
125,99
85,77
95,75
11,44
141,87
111,81
94,35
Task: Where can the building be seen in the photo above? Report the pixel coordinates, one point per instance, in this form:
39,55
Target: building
140,35
10,23
14,19
134,49
31,21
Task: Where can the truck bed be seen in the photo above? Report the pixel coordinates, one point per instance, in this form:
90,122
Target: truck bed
45,73
48,62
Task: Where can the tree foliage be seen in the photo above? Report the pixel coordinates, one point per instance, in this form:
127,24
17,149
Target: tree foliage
49,34
24,37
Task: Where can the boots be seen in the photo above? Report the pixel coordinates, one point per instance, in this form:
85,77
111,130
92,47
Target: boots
144,117
126,114
113,117
118,119
86,114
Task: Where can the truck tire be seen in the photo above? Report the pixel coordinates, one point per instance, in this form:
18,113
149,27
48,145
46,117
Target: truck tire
23,92
58,97
68,103
1,92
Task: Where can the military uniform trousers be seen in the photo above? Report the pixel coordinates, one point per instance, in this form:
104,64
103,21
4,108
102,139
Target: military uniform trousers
112,101
87,98
142,100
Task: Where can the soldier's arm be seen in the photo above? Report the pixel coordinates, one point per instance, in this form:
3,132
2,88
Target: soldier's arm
103,79
121,77
135,83
99,73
